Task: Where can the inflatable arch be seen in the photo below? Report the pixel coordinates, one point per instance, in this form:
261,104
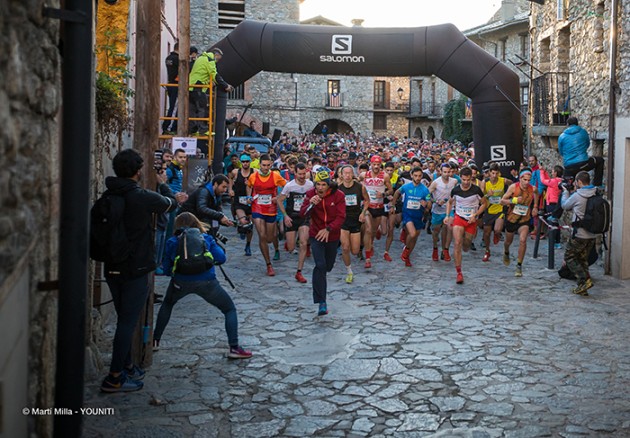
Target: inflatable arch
441,50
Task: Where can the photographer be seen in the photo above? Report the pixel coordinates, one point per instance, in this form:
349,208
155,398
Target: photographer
205,203
582,241
573,145
203,284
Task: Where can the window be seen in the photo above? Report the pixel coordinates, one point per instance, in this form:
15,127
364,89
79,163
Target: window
563,9
449,93
231,13
380,122
238,93
379,94
524,39
502,48
333,97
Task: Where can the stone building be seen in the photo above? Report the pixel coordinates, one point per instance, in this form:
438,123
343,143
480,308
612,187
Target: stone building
573,56
29,223
292,102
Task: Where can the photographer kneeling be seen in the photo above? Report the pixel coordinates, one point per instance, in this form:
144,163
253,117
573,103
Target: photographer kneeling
190,258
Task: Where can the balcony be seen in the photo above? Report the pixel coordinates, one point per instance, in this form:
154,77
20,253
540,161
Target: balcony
551,99
426,109
334,101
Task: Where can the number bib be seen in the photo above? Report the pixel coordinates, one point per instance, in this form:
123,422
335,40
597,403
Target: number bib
494,199
372,195
264,199
520,210
243,200
413,205
297,204
386,207
351,200
467,212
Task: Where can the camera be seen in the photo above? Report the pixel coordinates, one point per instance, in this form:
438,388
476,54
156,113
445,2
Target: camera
158,160
566,185
220,238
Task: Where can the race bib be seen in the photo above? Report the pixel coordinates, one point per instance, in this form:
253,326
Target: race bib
494,199
467,212
351,200
243,200
264,199
520,210
372,195
386,207
297,204
413,205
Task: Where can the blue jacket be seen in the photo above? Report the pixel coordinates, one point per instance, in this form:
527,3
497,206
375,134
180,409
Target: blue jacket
573,144
174,177
171,252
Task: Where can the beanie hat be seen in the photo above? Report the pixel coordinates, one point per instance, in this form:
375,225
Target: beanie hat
323,175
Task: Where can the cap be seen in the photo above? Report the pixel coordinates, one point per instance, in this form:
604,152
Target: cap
245,157
323,175
217,51
376,159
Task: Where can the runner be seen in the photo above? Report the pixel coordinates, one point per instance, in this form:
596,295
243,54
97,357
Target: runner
355,217
522,201
294,192
327,209
262,186
441,192
241,204
493,218
416,199
394,217
469,205
377,186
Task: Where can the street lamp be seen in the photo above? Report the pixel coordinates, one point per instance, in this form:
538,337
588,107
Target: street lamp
400,93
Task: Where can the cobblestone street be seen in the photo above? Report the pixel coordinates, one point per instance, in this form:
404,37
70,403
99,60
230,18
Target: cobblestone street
404,352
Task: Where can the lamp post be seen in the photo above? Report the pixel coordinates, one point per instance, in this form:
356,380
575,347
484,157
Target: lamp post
400,93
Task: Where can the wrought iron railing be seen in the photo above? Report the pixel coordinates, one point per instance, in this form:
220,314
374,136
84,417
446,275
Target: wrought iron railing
427,108
333,100
551,98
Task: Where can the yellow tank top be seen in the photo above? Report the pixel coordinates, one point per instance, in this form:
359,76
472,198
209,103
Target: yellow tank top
494,193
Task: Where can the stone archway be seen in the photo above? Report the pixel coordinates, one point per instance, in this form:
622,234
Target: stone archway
335,126
443,51
418,133
430,133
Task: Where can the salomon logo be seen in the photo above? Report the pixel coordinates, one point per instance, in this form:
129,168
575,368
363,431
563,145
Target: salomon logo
341,44
498,152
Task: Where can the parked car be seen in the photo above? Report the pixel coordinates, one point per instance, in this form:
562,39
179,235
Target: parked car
237,144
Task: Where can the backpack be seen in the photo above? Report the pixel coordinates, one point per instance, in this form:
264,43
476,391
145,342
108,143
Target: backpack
108,236
192,256
596,217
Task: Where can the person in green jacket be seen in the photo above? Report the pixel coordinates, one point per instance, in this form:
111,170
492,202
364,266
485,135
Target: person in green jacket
204,72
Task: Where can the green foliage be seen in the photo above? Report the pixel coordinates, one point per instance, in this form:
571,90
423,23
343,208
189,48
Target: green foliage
454,128
112,90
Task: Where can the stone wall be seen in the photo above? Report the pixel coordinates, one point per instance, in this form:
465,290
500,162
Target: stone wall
31,97
578,44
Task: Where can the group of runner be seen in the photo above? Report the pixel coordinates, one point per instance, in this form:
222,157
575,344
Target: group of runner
386,184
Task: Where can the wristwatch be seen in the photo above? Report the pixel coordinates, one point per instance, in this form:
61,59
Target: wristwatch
328,229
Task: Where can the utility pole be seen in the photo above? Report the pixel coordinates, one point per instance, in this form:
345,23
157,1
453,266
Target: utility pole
146,126
183,37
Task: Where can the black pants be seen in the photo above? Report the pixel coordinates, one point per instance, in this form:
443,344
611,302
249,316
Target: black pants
596,163
171,93
198,108
324,255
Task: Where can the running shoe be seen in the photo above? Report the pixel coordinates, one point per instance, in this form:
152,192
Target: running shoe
387,257
460,278
497,238
435,256
242,236
378,234
156,345
445,255
238,352
486,257
519,271
408,262
270,271
582,287
308,250
323,309
276,255
248,250
135,372
349,278
558,246
122,383
286,246
368,264
472,246
299,277
506,258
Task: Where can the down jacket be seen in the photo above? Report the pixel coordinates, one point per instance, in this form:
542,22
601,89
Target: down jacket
573,144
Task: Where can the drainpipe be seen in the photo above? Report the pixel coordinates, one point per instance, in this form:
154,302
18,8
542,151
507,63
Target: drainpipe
76,151
612,105
220,108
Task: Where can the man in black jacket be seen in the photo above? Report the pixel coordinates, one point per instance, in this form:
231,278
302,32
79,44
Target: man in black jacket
205,203
172,72
128,281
